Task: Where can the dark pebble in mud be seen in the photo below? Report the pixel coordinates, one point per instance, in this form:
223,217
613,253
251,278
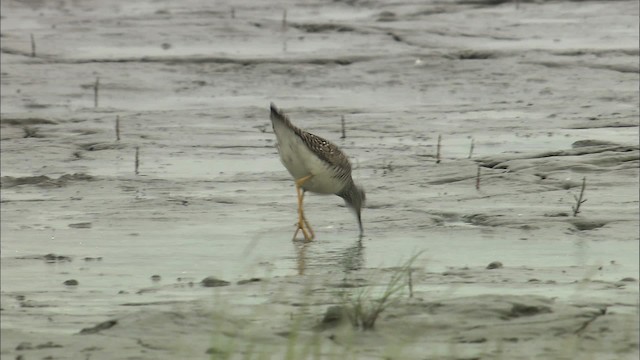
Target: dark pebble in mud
156,278
629,279
24,346
71,282
102,326
82,225
48,345
590,142
495,265
27,346
334,316
212,281
50,258
213,350
247,281
584,224
472,340
93,258
557,214
518,310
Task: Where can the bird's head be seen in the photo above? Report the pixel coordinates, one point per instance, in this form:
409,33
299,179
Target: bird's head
355,198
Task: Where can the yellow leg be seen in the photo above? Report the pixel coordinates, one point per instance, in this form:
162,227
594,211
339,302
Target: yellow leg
303,224
313,235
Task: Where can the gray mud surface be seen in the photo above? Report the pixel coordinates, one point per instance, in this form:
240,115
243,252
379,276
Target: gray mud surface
98,262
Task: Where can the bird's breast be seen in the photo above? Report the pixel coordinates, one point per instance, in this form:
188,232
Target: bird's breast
301,161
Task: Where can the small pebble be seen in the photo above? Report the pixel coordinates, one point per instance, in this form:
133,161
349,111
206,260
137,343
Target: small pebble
24,346
242,282
55,258
212,281
495,265
213,350
334,315
71,282
156,278
48,345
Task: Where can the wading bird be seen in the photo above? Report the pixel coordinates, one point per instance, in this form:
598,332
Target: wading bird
316,165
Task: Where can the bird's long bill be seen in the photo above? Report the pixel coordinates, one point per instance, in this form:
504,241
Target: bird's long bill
360,223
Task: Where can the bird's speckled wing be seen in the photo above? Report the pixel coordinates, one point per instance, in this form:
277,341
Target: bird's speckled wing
325,149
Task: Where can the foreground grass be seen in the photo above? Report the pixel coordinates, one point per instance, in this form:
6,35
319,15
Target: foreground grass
363,307
360,308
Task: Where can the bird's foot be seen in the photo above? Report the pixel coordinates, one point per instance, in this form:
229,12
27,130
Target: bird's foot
307,232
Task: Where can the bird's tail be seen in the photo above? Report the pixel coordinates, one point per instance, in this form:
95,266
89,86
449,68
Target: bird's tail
278,115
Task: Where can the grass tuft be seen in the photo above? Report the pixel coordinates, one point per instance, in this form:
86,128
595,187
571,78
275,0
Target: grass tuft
363,308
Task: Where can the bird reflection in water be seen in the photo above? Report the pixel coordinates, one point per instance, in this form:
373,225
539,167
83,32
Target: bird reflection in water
352,258
348,259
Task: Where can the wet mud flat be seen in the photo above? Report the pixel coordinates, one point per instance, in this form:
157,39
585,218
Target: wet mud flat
528,101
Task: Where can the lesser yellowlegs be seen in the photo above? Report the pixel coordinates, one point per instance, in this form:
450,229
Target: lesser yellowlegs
317,165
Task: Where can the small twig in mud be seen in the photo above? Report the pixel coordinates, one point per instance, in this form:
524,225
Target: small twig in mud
471,148
233,13
33,46
579,201
95,92
478,179
284,30
284,20
117,127
344,133
584,325
438,149
137,159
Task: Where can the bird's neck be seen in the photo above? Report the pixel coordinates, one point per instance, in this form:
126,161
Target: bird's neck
347,191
